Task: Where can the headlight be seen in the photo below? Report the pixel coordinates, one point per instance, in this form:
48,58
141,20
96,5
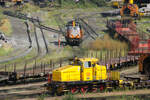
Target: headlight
71,36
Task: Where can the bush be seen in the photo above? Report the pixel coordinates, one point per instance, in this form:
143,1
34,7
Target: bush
107,43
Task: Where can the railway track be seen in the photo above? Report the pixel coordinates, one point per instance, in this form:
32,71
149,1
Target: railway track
43,36
29,49
22,91
24,52
112,63
41,43
119,62
36,71
39,39
89,31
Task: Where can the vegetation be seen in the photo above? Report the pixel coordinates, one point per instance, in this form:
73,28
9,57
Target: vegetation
42,97
28,8
20,62
143,24
6,27
1,15
73,3
80,4
5,50
107,43
69,97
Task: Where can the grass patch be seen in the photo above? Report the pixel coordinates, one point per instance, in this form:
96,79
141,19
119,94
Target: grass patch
66,52
80,4
5,50
42,97
143,24
1,14
55,57
105,48
28,8
20,61
6,27
107,43
69,96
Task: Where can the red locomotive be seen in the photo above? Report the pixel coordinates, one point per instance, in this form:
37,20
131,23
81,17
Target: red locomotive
74,33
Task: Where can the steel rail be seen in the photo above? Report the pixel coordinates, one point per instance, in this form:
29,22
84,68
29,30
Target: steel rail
46,46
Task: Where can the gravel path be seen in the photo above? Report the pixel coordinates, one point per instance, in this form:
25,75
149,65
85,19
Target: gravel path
19,36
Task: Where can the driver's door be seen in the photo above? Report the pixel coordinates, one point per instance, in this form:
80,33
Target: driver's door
87,71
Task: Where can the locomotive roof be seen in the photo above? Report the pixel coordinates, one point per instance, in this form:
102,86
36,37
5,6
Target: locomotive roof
70,22
88,59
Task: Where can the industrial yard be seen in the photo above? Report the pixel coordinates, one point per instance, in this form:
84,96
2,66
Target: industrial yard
74,49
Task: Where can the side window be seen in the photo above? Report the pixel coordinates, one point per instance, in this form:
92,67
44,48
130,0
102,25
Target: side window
87,64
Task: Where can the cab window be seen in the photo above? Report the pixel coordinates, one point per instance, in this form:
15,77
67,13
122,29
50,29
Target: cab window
87,64
76,62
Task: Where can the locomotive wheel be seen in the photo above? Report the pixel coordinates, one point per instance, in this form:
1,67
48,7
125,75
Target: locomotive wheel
84,90
50,90
59,91
146,64
74,90
101,88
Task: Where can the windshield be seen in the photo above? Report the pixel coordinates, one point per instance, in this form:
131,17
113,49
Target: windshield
87,64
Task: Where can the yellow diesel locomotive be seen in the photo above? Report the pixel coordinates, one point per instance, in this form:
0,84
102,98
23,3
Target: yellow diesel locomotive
82,75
